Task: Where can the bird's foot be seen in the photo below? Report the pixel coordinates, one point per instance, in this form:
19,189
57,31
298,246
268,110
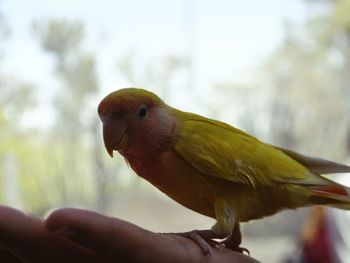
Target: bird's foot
204,238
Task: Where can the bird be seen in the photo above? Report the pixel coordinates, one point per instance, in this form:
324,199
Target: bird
212,167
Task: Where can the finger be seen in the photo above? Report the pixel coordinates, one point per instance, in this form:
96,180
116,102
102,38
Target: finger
11,221
119,240
26,237
16,228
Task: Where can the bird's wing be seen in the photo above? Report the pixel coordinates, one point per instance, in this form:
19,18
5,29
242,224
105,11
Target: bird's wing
317,165
219,150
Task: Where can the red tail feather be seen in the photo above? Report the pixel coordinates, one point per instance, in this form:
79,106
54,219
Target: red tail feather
330,189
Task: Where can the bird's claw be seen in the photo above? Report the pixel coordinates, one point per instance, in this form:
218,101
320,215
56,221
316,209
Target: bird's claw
202,238
227,244
242,250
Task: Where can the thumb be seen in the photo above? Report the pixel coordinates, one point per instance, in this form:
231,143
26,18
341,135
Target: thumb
112,238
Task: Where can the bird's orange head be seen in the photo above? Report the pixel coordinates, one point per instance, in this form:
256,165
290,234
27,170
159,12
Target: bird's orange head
134,120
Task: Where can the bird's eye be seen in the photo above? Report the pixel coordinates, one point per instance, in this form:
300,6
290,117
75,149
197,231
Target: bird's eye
142,112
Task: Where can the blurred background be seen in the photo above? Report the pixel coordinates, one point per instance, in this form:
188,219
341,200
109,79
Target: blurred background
279,70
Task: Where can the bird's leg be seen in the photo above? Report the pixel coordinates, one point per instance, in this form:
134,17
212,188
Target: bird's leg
234,240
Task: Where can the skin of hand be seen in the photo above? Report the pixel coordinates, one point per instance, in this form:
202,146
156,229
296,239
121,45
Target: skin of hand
76,235
211,167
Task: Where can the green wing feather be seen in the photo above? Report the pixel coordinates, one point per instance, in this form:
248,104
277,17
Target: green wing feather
220,150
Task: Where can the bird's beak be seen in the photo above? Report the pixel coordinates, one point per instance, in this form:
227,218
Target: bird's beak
114,136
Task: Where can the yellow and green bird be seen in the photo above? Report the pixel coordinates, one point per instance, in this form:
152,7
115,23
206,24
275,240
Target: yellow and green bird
212,167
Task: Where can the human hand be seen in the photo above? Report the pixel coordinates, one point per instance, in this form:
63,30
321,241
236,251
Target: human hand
76,235
24,238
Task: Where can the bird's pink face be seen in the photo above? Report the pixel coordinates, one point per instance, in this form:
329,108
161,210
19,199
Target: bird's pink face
132,123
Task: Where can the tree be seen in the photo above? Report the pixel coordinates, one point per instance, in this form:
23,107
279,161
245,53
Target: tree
331,34
16,97
75,123
76,71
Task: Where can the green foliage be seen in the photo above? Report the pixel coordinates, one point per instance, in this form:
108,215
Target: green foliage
16,97
59,37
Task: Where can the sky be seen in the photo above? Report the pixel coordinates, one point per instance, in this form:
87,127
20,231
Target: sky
225,39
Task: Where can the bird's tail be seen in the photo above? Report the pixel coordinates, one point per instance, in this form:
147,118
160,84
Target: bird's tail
334,195
323,190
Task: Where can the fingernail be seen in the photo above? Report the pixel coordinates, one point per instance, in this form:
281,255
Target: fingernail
64,232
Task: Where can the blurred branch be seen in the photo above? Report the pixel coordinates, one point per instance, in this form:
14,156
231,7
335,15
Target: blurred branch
59,37
158,74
